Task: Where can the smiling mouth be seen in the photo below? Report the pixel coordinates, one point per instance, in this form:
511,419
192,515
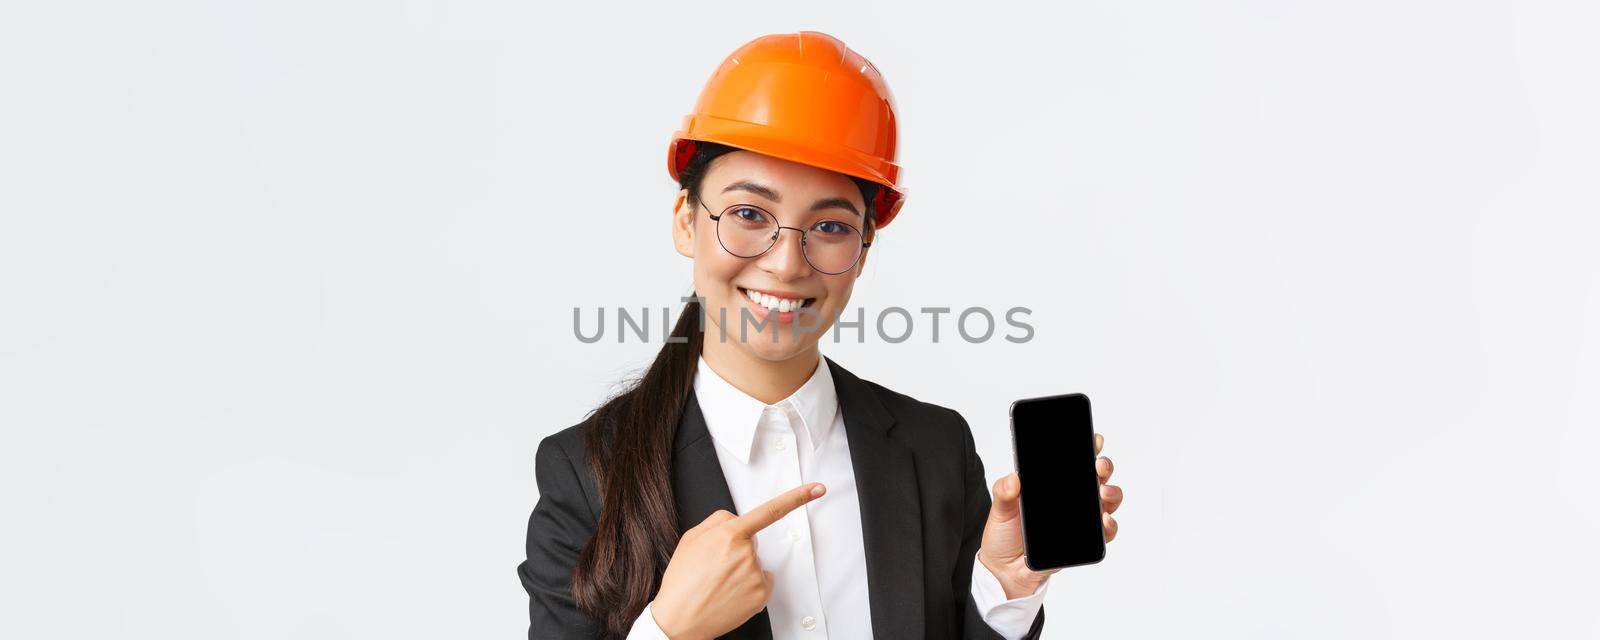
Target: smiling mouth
775,303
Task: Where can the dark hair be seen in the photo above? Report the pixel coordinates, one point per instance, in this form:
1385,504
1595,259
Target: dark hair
629,447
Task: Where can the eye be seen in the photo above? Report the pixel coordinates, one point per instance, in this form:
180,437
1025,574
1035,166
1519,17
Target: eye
750,215
833,229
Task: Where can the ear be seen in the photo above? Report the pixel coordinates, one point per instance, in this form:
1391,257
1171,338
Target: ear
683,219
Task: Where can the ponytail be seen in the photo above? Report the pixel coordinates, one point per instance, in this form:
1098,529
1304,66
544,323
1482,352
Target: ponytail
629,443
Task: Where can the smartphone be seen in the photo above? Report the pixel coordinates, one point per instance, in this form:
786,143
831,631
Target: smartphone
1053,439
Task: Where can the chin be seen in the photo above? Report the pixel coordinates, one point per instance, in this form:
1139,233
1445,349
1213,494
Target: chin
761,346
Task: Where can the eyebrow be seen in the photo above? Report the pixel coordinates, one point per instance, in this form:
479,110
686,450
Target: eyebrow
758,189
772,194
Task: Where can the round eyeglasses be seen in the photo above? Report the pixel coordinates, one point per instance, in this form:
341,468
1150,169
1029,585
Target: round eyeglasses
830,246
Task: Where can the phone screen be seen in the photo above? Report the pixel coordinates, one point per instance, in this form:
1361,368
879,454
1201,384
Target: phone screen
1054,442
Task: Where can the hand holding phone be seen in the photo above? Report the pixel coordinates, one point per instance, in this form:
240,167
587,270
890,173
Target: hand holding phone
1063,519
1052,461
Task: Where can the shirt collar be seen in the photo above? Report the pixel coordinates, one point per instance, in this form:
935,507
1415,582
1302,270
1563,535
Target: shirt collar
732,416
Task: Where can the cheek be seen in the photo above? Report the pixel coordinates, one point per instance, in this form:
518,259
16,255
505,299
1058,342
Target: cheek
839,291
714,269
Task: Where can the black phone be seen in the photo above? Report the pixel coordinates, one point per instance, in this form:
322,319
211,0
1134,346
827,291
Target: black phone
1053,439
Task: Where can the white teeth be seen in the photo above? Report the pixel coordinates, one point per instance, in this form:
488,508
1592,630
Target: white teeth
776,304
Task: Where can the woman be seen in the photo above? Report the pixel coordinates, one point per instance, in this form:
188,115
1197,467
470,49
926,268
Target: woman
746,486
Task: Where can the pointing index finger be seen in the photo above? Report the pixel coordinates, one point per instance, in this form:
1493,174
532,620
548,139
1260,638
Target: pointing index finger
775,509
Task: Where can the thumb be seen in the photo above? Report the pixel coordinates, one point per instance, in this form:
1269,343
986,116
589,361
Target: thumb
1006,504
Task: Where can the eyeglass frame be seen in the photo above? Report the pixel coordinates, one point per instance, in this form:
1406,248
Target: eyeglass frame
717,218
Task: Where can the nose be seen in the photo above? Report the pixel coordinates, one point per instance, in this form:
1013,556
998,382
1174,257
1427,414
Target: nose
787,259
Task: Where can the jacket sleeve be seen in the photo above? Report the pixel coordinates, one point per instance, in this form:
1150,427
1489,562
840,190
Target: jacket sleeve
976,514
560,525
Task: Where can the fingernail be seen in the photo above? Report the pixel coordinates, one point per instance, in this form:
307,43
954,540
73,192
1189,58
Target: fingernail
816,490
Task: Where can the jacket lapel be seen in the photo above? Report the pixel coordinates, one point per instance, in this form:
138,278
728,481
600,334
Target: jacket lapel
698,486
699,489
891,513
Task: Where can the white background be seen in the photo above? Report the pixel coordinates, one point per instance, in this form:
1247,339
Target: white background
286,296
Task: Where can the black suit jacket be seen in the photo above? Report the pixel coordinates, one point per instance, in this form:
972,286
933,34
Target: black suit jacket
924,501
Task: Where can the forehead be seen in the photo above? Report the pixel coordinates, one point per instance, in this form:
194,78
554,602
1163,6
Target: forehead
801,181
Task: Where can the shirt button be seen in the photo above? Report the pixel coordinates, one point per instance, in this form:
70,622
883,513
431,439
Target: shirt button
808,623
794,535
781,444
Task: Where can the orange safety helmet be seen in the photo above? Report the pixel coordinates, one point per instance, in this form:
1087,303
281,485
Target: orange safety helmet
803,97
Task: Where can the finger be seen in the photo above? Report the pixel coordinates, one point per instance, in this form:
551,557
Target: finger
717,517
1102,467
1110,525
1006,491
1110,497
775,509
1099,442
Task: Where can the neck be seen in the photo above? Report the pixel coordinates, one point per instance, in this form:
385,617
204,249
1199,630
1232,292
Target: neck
765,380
